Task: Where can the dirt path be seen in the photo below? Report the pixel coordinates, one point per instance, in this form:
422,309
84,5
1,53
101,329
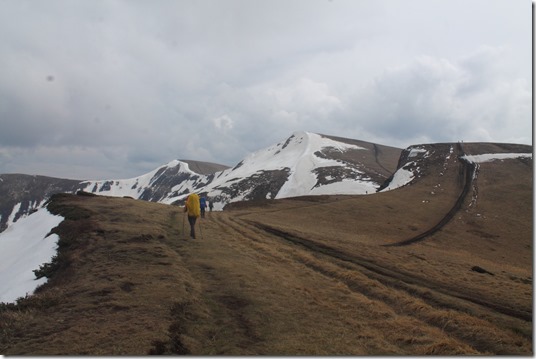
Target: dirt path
260,291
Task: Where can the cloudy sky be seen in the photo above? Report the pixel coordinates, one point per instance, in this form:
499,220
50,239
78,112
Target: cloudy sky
98,89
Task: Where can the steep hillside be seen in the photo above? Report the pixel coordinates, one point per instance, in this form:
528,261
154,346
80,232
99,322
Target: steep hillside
310,275
22,194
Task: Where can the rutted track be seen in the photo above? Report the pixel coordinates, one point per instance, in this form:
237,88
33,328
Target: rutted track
389,276
468,170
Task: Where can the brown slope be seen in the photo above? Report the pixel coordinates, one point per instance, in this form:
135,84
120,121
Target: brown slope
380,164
491,231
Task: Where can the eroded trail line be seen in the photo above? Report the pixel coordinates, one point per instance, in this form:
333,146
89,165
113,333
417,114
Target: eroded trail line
468,170
439,300
394,277
219,323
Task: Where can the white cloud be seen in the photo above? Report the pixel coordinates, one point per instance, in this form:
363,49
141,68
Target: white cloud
304,97
224,123
132,81
444,100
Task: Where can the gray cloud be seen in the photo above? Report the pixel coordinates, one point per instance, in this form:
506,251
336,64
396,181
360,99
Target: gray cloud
113,89
434,100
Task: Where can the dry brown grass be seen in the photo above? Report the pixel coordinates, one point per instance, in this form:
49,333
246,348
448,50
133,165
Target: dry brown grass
303,276
119,283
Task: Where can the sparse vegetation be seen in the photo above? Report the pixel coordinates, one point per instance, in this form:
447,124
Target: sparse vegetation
48,269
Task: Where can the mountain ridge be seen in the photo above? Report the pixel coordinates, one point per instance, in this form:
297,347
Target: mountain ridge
305,163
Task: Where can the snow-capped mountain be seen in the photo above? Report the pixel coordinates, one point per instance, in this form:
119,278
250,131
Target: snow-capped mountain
304,164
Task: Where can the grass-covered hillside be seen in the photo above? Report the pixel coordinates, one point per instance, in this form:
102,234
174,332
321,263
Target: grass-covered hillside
323,275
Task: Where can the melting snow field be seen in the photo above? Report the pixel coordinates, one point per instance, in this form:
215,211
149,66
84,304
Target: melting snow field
495,156
23,248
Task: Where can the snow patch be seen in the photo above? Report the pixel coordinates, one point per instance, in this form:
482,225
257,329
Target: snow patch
401,178
24,246
414,152
346,186
488,157
14,211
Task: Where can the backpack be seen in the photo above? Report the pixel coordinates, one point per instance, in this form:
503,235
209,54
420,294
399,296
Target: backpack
192,203
203,202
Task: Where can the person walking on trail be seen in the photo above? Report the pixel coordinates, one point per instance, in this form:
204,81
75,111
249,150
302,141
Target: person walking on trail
210,205
203,205
193,208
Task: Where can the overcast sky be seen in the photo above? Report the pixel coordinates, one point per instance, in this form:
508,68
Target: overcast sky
96,89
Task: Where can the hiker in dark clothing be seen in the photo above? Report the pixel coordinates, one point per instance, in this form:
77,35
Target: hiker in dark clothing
210,205
203,205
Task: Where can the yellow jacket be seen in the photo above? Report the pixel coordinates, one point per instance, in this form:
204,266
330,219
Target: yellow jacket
192,205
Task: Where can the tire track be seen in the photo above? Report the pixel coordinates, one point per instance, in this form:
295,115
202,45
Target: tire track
391,277
432,313
254,236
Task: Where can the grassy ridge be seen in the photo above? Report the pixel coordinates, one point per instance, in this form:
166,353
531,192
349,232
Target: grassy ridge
117,280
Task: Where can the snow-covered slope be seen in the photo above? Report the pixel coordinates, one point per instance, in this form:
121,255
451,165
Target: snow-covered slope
304,164
301,165
152,186
24,246
21,194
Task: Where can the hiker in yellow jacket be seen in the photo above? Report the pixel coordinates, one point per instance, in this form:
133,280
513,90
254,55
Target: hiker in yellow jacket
194,211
